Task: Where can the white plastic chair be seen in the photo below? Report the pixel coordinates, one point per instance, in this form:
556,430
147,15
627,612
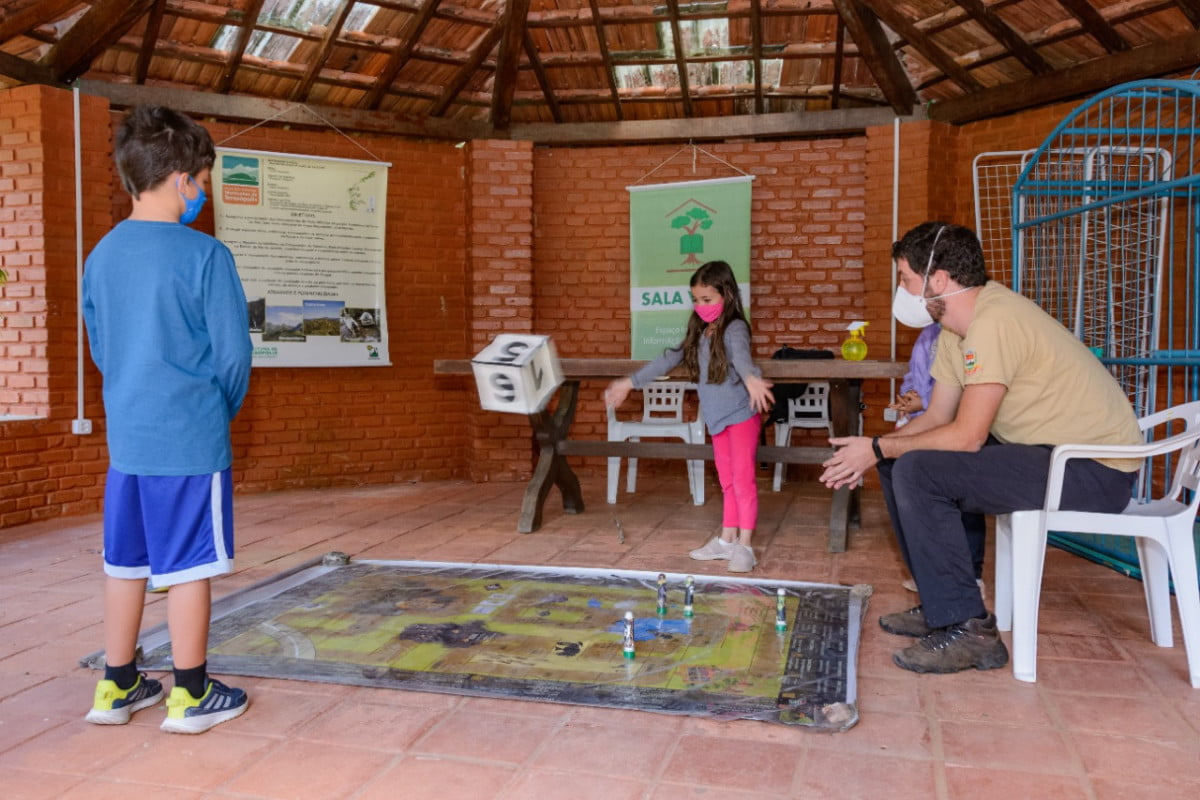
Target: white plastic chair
809,410
662,417
1165,545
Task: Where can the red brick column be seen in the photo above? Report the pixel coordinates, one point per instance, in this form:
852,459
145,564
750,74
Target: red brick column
499,186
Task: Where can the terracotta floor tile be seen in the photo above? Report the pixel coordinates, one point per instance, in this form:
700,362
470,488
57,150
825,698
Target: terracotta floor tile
300,770
851,776
720,762
1128,758
432,778
981,783
608,750
905,735
391,728
187,762
487,736
1147,717
1111,717
1003,747
21,784
1007,704
1110,789
536,783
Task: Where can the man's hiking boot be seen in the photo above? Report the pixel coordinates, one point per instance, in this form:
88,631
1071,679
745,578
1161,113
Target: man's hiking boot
906,623
974,644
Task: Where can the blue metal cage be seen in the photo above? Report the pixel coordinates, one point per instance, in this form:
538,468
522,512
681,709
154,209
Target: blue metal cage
1105,237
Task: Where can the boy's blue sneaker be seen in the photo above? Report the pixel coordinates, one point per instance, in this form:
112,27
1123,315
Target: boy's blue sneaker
220,703
114,706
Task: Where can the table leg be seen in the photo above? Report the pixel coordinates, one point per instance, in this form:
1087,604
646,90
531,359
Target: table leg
845,397
552,468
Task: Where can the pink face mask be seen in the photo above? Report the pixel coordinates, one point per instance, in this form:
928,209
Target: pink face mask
710,313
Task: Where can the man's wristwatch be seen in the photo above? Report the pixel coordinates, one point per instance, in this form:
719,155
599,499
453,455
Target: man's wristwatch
875,446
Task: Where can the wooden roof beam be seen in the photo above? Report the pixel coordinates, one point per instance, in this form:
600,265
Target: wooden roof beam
756,41
149,41
245,28
895,19
1094,25
400,56
486,44
609,68
680,61
1169,55
876,51
302,89
999,30
543,81
104,23
23,71
34,13
508,61
1191,10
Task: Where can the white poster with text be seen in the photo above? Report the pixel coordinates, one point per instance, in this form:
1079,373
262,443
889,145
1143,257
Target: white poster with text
307,234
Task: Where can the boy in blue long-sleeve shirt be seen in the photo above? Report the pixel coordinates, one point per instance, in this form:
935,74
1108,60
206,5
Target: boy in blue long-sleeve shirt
168,328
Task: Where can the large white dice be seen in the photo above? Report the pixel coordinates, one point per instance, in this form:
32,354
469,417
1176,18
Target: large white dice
517,373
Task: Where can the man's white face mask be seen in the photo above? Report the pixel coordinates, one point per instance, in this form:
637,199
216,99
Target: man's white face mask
912,310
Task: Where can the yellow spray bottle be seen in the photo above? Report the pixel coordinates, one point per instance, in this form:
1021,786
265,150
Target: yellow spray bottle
855,347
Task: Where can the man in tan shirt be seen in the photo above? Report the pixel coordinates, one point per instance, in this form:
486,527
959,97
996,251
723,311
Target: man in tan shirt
1010,382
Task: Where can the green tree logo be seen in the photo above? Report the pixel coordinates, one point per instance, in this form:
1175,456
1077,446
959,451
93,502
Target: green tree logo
691,222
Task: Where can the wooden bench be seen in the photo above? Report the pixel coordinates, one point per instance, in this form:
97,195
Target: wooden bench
552,430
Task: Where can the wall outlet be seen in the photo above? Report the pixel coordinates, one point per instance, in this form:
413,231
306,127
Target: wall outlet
81,427
889,415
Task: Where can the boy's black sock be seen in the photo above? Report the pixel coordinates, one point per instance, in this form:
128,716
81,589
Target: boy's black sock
124,675
194,679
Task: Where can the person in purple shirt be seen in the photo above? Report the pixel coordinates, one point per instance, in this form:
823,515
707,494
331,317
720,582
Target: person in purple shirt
918,383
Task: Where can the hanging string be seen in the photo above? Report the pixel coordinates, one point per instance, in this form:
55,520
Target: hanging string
302,107
695,151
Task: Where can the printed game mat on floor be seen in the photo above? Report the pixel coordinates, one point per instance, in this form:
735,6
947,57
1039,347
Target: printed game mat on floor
548,634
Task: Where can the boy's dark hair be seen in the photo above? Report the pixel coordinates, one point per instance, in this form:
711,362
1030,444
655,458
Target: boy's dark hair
957,251
154,141
716,275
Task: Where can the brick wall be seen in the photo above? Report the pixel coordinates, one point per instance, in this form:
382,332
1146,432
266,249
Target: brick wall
45,470
491,236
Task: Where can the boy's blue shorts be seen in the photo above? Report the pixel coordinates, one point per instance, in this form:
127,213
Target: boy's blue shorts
171,529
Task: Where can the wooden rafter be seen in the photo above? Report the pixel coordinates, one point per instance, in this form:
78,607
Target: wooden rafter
149,41
508,62
931,52
238,52
1190,9
24,71
835,91
1169,55
609,69
756,42
302,89
486,44
999,30
539,72
18,20
104,23
680,62
876,51
399,57
1095,25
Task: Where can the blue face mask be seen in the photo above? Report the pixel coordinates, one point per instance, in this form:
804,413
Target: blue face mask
192,205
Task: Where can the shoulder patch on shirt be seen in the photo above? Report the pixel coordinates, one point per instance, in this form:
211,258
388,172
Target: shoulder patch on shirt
970,364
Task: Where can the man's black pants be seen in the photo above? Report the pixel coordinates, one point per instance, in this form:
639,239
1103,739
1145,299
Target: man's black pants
928,491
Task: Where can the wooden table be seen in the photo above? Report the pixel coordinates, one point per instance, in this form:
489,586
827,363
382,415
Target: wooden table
551,430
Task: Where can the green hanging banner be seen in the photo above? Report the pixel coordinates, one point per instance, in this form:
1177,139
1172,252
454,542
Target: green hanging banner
673,229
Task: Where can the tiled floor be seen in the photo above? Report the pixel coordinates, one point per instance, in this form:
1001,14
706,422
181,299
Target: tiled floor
1112,716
